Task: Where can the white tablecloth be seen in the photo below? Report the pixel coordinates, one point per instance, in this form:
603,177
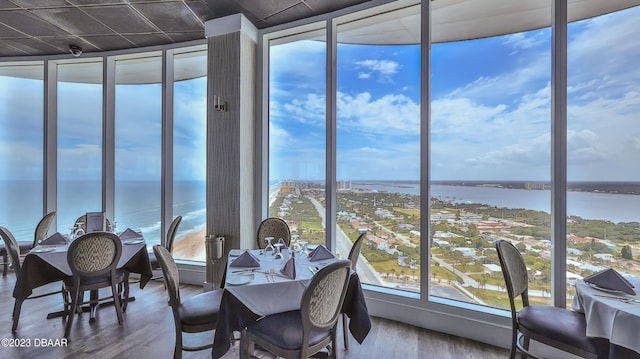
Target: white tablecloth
610,318
263,297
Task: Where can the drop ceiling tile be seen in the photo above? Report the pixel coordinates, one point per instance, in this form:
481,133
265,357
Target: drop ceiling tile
33,46
296,12
323,6
107,43
6,4
30,24
120,18
142,40
73,21
170,16
264,9
39,3
7,32
202,11
9,50
186,36
96,2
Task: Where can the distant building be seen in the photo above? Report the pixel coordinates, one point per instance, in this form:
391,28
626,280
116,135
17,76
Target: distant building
605,257
534,185
343,185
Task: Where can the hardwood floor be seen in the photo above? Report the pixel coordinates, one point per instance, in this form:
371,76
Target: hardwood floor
148,332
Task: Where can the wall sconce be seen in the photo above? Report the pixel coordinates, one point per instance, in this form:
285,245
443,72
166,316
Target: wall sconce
219,105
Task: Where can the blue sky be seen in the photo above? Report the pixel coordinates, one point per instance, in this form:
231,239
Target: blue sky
490,112
490,107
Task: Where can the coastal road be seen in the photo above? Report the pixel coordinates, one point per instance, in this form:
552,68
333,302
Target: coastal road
366,273
398,236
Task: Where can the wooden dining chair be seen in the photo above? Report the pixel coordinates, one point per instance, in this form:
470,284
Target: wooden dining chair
168,243
196,314
304,332
276,228
557,327
93,258
13,250
42,229
39,235
354,254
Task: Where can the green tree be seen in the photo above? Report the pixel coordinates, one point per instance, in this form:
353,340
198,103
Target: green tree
626,252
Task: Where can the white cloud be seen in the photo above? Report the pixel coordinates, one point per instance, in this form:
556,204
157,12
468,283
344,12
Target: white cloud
385,67
522,40
364,75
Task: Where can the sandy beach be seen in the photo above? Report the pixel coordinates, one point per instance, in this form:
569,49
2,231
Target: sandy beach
191,245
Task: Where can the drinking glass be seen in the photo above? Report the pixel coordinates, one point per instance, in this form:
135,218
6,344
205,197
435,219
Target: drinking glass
295,243
304,251
269,247
278,254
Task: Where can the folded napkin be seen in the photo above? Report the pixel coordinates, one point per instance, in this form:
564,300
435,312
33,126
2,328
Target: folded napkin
289,268
246,259
56,238
610,279
321,252
129,234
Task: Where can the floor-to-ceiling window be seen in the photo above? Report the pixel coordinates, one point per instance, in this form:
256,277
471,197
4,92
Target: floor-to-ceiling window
21,147
297,133
189,153
138,144
79,141
378,149
490,163
603,145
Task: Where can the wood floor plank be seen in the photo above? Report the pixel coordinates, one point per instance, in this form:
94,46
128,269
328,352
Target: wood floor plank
148,332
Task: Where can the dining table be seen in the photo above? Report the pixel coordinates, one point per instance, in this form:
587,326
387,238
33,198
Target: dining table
250,293
612,317
47,263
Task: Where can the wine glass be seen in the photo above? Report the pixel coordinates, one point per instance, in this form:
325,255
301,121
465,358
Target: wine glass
295,243
303,250
278,254
269,247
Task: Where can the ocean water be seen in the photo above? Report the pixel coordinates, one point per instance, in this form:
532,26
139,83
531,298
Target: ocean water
588,205
137,206
138,203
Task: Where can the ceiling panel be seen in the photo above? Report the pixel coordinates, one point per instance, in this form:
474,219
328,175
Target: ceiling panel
121,19
42,27
28,23
170,16
72,21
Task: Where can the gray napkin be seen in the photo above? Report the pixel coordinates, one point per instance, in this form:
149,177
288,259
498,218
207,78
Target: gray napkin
289,268
610,279
56,238
246,259
321,252
129,234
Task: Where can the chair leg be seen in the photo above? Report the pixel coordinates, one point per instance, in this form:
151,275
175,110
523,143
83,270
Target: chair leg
72,312
246,346
525,345
125,296
94,302
334,343
117,302
345,333
17,307
177,349
514,338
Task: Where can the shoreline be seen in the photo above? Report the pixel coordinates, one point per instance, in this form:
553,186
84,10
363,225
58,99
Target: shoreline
191,245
